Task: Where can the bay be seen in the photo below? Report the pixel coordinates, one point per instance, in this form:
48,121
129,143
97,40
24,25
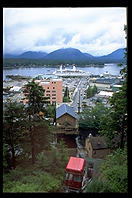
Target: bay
113,69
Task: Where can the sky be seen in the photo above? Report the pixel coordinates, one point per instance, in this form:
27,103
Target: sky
97,31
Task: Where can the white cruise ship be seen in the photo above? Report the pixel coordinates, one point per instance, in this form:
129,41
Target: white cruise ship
70,72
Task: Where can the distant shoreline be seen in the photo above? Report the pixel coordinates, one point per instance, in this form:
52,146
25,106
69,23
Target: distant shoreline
52,65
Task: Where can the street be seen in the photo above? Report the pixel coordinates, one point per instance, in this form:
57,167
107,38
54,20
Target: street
79,95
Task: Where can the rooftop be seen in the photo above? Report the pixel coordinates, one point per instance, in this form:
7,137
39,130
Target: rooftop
98,142
63,109
75,164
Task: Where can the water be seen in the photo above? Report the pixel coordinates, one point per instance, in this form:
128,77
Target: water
112,69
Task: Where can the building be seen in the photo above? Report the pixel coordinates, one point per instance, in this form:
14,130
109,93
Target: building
53,90
96,147
103,83
66,120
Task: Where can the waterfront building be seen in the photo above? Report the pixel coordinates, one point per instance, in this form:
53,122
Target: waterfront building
104,83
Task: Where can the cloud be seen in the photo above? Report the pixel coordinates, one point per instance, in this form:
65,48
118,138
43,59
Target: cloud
92,30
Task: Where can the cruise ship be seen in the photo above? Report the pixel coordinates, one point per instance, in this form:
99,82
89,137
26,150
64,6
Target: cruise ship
74,72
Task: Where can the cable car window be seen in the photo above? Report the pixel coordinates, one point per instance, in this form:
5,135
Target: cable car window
77,178
69,176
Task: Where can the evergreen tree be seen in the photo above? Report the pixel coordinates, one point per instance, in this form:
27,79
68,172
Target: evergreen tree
34,94
66,97
114,126
14,125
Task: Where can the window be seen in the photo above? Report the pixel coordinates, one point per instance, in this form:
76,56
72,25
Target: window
47,91
53,98
77,178
53,94
53,91
53,87
47,87
69,176
54,102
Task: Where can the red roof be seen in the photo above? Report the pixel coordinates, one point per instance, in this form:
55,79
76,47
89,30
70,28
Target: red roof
75,164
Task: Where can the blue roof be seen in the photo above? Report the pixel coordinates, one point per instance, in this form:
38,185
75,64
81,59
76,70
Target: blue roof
63,109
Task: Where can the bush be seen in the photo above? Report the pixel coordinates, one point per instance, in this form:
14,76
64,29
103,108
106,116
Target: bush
97,186
115,171
38,181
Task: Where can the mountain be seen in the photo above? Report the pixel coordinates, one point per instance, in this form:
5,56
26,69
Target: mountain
67,54
116,56
71,55
28,55
10,56
33,55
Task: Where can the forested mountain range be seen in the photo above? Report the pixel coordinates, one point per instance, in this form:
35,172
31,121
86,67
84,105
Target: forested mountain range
69,55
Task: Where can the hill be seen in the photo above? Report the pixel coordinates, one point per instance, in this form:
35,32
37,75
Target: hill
66,55
27,55
116,56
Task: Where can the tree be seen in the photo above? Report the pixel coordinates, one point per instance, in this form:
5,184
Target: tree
91,91
14,125
94,90
50,111
114,172
90,118
114,126
34,94
66,97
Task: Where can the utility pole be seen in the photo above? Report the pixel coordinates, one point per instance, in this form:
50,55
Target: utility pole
79,106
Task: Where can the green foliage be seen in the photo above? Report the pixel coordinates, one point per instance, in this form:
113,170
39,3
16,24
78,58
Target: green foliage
14,126
66,97
114,125
97,186
46,175
16,62
35,101
6,157
90,118
50,111
54,160
91,91
36,181
34,94
115,172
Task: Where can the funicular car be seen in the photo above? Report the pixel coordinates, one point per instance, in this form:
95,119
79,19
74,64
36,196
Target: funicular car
77,174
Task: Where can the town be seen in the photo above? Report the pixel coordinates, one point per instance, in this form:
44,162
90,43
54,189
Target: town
73,93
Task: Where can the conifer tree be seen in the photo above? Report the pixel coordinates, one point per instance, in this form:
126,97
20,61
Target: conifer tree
36,100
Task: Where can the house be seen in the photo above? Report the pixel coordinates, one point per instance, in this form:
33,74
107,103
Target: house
66,119
96,147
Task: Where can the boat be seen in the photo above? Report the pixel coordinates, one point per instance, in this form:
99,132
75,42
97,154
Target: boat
68,72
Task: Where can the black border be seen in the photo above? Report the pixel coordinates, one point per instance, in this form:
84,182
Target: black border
60,3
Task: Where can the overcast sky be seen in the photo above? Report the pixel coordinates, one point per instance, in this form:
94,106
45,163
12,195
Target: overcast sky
97,31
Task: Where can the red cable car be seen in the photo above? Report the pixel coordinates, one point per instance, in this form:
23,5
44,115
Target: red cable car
76,174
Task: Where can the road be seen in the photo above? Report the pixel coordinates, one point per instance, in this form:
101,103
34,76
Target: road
79,95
